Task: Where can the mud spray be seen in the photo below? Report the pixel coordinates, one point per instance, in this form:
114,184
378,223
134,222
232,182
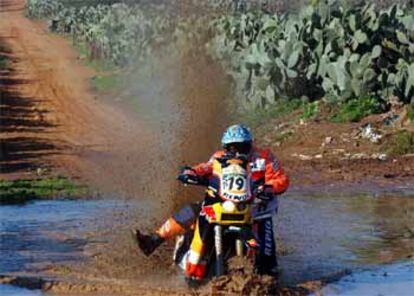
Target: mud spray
181,95
178,96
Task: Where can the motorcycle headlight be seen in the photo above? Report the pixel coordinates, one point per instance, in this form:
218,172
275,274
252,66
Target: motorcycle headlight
229,206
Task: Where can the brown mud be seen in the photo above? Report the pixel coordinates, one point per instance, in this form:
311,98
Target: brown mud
241,280
52,123
252,285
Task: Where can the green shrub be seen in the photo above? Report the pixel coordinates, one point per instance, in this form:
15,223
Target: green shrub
310,110
354,110
328,49
410,112
281,108
401,143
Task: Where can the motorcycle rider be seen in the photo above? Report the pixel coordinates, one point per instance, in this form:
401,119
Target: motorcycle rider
264,169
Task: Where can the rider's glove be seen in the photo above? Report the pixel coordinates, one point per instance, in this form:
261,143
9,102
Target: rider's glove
264,193
188,176
265,202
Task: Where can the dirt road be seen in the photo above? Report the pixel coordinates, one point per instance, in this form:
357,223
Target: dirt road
52,121
46,105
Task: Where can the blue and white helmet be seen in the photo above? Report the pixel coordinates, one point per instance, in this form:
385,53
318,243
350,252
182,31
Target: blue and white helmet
237,133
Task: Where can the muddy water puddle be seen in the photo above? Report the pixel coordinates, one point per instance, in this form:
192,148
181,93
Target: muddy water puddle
41,233
323,235
394,279
328,235
10,290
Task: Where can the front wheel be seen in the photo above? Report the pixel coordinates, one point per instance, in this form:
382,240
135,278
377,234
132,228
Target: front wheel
241,279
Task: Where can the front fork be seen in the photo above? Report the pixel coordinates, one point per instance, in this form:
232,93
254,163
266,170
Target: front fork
218,244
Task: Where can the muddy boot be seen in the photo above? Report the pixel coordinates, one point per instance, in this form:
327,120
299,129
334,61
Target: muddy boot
147,243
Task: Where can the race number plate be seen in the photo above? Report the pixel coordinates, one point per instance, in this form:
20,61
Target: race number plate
235,184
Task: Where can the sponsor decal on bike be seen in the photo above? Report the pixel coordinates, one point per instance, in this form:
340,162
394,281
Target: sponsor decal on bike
208,211
268,238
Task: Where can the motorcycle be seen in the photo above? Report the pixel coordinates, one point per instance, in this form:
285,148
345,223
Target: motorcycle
231,207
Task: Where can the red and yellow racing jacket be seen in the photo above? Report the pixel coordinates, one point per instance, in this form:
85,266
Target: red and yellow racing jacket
263,166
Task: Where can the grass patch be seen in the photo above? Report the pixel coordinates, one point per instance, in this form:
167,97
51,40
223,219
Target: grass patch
401,143
4,60
100,65
356,109
107,78
281,108
310,110
20,191
105,83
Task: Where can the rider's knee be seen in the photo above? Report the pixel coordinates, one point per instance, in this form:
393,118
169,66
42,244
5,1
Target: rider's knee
187,215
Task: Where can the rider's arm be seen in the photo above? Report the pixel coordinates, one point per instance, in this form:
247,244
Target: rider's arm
205,169
274,174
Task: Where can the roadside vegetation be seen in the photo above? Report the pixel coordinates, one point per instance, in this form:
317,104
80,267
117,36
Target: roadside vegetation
280,109
24,190
338,61
328,50
401,143
410,112
355,109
